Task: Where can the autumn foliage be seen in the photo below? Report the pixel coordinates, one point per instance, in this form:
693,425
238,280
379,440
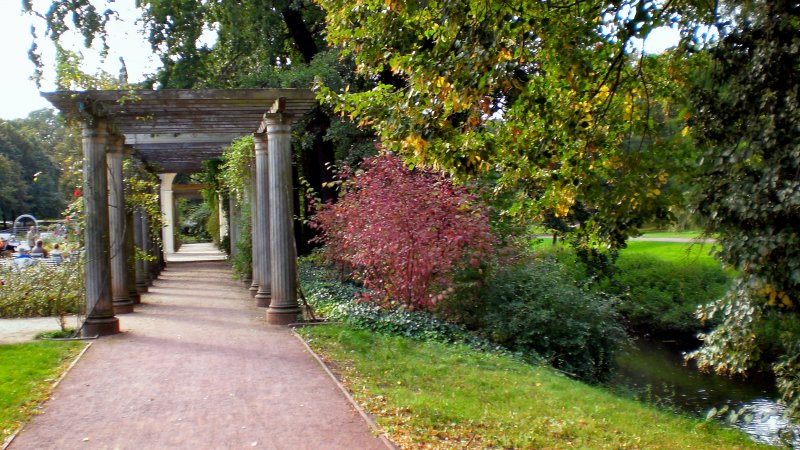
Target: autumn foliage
403,231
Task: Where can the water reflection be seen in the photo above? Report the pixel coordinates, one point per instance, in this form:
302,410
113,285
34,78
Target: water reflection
765,421
654,372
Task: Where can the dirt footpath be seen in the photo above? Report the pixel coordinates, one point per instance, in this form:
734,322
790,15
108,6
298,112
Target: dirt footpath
197,367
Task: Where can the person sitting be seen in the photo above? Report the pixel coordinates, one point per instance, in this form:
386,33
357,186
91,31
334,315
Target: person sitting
55,253
38,251
6,248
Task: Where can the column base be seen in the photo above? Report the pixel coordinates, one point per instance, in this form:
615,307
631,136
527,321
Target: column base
123,306
263,299
253,290
100,326
141,288
282,316
135,298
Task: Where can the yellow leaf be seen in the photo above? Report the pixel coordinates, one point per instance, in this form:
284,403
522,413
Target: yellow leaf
685,131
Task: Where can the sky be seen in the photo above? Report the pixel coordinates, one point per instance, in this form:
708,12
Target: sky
19,94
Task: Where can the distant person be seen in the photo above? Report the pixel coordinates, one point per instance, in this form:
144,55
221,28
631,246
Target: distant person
6,248
55,253
38,250
32,236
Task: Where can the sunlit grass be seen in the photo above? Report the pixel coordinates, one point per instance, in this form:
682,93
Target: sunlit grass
27,373
434,395
679,252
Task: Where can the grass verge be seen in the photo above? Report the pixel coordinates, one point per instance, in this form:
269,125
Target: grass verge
434,395
27,374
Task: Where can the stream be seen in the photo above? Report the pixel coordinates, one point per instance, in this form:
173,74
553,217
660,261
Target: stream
654,372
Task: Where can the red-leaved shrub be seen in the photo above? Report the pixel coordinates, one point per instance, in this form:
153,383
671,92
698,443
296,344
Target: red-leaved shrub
402,231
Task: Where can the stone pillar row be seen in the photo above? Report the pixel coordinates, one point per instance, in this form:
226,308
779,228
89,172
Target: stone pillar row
113,282
112,287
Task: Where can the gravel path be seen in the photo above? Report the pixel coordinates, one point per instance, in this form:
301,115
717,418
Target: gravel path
197,367
22,330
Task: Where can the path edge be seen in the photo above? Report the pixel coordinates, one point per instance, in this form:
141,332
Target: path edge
9,440
367,418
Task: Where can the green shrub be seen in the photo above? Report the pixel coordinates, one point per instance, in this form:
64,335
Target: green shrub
661,296
338,300
40,291
536,308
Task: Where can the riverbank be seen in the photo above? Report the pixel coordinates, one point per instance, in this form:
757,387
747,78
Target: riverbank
449,396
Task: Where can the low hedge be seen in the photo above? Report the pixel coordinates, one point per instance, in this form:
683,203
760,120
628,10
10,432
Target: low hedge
42,291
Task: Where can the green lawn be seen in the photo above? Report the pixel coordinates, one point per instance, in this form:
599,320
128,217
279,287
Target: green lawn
677,252
672,234
434,395
27,373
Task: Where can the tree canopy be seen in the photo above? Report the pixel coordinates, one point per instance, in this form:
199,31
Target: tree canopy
747,114
29,175
546,98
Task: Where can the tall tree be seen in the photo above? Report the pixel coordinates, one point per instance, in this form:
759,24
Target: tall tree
31,173
547,98
747,114
277,43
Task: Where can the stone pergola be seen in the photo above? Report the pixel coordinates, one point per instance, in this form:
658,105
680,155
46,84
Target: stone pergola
174,131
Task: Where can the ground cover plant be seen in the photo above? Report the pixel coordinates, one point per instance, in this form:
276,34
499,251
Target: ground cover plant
434,395
27,372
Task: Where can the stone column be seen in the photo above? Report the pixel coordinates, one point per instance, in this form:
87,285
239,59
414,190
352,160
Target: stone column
116,222
246,200
254,237
100,319
168,210
233,227
139,239
261,211
283,308
223,219
130,254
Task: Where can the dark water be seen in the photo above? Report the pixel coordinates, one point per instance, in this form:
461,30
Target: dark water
655,373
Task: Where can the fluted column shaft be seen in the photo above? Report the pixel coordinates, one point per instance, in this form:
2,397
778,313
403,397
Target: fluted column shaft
100,319
283,308
116,222
139,239
263,222
168,210
254,236
130,258
233,227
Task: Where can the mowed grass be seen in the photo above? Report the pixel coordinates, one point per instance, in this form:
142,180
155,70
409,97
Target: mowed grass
672,234
675,252
27,374
432,395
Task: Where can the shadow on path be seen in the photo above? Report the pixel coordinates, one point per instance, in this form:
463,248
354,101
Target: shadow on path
196,371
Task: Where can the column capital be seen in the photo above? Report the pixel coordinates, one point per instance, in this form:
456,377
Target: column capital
116,143
260,142
93,127
283,122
